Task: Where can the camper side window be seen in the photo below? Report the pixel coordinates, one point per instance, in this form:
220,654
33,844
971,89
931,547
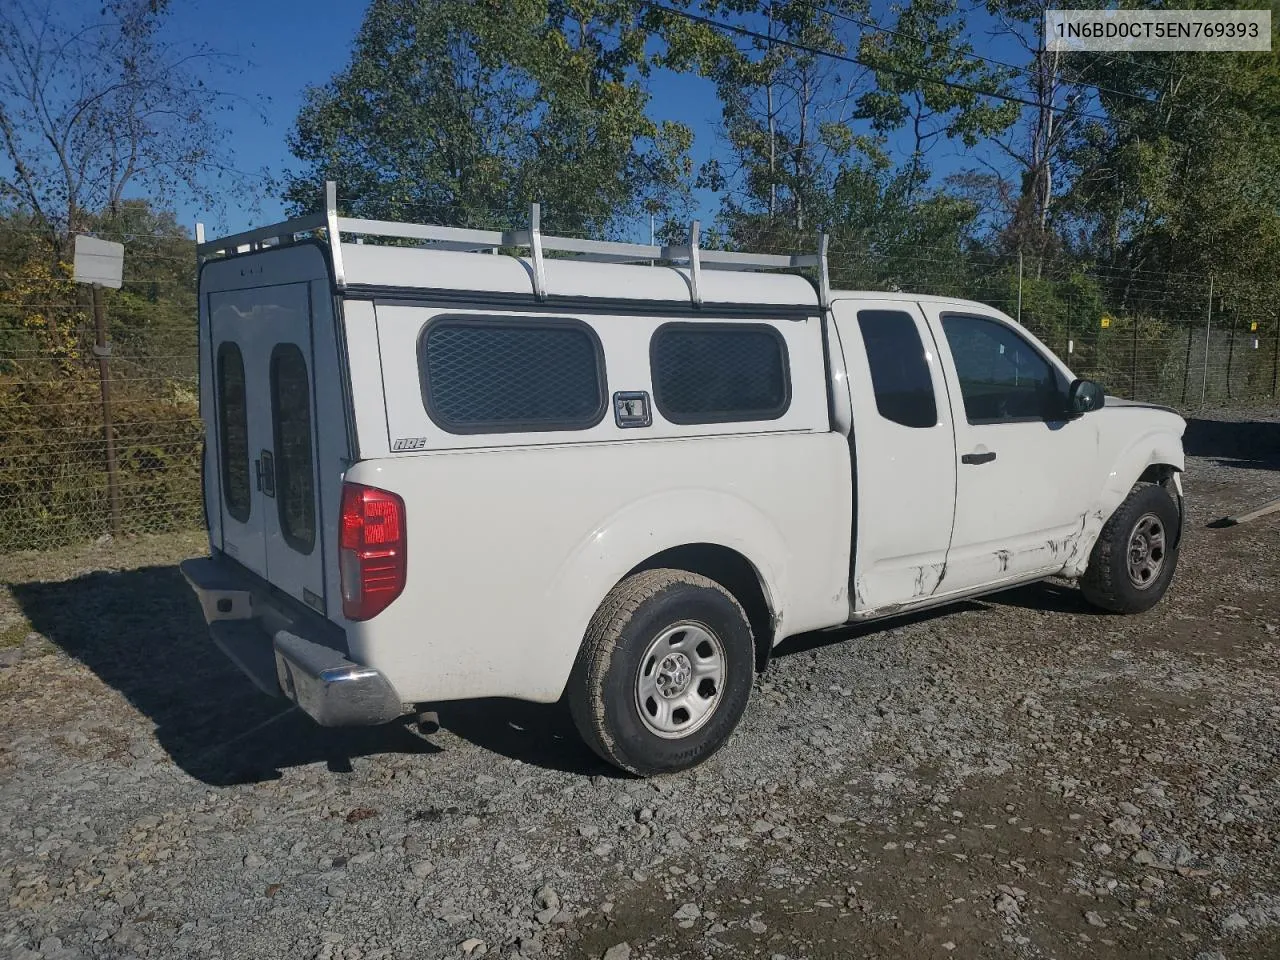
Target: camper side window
295,476
495,375
233,432
719,372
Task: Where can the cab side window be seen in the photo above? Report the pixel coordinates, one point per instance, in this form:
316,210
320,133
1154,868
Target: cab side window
1002,377
899,371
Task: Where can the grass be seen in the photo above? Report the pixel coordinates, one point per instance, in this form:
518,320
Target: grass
15,634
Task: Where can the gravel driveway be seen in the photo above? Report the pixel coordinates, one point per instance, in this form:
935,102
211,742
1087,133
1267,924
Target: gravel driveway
1011,777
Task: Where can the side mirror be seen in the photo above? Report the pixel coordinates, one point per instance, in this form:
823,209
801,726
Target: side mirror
1084,396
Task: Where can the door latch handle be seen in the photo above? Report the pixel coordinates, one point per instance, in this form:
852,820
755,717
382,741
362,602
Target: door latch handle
266,470
976,458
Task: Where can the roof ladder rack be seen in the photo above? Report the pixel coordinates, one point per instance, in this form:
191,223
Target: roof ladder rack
531,237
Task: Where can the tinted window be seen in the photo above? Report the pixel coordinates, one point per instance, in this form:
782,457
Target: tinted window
899,371
1002,377
295,476
501,376
717,373
233,432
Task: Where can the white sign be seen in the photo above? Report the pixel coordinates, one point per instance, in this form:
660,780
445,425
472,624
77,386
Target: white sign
100,262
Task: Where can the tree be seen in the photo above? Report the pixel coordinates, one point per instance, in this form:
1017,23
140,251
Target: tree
1057,86
787,108
462,112
94,103
930,84
1182,174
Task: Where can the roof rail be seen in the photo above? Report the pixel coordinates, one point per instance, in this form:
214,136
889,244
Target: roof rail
531,237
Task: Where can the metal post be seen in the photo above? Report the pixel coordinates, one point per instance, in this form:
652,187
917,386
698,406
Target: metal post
1275,357
1019,316
1133,361
1231,349
1071,304
103,352
1186,366
1208,323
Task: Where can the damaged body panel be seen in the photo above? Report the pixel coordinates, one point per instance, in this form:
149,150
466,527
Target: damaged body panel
971,472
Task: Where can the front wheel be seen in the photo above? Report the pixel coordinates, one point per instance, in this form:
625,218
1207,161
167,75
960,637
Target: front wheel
664,674
1134,558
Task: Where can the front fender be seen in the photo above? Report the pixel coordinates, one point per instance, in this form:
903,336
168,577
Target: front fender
628,538
1156,446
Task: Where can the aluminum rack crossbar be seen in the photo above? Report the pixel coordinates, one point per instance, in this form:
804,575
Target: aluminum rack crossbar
458,238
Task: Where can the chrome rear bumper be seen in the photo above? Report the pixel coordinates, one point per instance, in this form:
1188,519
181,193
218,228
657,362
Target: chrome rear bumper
272,645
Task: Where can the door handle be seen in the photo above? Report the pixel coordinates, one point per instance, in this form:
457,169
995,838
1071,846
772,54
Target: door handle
977,458
266,470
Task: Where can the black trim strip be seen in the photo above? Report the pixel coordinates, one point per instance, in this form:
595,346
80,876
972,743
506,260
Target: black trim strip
423,296
823,320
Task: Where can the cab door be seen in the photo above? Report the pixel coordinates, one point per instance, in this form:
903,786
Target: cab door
904,453
1021,495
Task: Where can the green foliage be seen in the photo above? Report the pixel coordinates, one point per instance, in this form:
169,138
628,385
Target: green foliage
787,110
53,480
927,81
463,112
1184,175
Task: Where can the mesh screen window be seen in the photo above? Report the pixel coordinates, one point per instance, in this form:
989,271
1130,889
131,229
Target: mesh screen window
233,427
295,473
506,376
719,373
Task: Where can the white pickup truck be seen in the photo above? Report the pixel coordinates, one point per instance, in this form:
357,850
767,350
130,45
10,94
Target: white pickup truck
436,471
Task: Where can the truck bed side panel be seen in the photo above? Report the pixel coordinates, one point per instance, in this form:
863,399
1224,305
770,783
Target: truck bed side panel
511,550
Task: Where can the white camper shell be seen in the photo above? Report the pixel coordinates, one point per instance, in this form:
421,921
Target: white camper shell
436,471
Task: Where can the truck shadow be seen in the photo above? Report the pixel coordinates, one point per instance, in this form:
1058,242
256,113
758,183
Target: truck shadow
141,632
1235,443
538,734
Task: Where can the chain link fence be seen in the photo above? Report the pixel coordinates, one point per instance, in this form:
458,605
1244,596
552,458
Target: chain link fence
1186,341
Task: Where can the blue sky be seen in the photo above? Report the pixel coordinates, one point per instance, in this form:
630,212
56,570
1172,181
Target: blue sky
286,45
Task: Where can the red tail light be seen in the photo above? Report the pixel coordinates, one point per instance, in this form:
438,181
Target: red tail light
371,554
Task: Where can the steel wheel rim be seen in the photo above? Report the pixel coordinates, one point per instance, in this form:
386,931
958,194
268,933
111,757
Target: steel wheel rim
1146,553
680,680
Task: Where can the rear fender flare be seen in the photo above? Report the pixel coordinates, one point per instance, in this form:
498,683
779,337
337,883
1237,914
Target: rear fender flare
629,538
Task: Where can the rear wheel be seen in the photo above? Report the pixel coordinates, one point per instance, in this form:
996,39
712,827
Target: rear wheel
664,674
1134,558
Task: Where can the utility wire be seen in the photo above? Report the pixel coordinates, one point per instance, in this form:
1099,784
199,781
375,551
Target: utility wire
879,68
1029,71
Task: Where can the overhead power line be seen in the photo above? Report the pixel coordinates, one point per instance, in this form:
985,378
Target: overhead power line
880,68
1029,71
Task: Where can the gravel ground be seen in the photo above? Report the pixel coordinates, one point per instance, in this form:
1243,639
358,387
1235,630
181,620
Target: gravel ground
1011,777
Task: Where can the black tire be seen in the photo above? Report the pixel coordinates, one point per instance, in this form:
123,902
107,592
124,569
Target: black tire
1108,582
604,692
